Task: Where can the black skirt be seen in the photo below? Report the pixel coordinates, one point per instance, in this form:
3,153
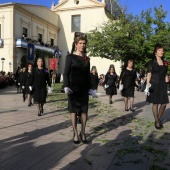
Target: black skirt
128,91
158,93
78,102
40,95
111,90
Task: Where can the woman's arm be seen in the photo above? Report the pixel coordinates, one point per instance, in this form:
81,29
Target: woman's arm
148,78
67,71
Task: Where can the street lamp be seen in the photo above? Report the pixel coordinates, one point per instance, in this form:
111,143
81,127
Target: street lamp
2,59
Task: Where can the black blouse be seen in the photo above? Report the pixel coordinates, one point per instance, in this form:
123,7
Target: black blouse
77,72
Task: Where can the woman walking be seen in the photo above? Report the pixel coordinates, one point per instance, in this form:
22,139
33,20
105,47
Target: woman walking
26,83
40,78
156,88
128,81
110,83
94,79
77,85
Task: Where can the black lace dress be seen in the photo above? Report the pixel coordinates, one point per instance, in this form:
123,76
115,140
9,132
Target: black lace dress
128,78
110,80
158,89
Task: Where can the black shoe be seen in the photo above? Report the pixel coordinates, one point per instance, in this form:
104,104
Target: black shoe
161,125
157,127
126,110
85,140
29,105
110,102
76,142
39,114
132,110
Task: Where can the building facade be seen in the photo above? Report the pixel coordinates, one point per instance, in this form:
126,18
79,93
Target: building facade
23,24
83,16
27,31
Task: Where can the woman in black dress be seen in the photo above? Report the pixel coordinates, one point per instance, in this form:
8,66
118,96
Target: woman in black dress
156,88
77,85
110,83
128,80
26,83
94,79
40,78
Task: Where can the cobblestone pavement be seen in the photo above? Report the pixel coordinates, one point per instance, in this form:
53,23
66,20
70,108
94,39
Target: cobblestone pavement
118,140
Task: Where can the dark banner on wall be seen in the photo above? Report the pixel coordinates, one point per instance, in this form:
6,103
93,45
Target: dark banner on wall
53,64
30,49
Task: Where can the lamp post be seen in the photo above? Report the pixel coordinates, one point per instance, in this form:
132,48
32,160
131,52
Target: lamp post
2,59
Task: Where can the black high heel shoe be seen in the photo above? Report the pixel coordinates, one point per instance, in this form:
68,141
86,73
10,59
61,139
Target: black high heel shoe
157,127
85,140
161,125
76,142
126,110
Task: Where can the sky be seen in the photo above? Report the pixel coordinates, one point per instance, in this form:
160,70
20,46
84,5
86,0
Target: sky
133,6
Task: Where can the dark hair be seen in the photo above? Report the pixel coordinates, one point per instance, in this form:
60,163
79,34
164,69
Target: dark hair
126,62
111,66
157,47
94,68
78,36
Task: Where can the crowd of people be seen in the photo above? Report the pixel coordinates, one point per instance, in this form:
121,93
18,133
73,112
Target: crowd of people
79,82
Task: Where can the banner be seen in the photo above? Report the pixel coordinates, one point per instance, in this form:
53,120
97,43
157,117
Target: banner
53,64
30,50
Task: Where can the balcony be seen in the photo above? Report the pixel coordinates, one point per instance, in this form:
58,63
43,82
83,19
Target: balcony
23,43
1,43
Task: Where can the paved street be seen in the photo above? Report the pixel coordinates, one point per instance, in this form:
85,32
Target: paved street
118,140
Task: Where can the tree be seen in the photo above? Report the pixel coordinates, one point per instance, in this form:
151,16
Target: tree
131,36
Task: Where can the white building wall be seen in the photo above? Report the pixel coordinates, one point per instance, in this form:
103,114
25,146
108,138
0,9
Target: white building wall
91,17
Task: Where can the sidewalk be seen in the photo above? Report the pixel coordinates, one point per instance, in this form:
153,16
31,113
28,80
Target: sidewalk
118,140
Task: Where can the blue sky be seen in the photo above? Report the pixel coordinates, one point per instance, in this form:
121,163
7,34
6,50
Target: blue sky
133,6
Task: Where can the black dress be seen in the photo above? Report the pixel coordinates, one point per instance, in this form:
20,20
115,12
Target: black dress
128,78
26,82
158,89
110,80
94,81
77,78
39,80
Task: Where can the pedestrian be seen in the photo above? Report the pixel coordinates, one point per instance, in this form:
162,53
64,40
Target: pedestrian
54,75
127,83
40,78
26,83
110,83
156,88
94,79
77,85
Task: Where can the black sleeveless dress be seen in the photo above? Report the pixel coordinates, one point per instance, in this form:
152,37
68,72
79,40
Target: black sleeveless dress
77,78
158,89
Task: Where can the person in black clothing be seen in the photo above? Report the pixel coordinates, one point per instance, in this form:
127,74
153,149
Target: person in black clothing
40,78
77,85
128,79
94,79
156,88
26,83
110,83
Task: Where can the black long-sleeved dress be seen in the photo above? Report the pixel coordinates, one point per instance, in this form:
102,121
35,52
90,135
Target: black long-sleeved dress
158,89
77,78
128,78
110,80
94,81
39,80
27,77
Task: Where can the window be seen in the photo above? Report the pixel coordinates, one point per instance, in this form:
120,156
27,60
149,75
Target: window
39,37
52,42
25,32
75,23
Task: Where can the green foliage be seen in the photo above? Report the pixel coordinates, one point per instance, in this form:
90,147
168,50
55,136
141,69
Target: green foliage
131,36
